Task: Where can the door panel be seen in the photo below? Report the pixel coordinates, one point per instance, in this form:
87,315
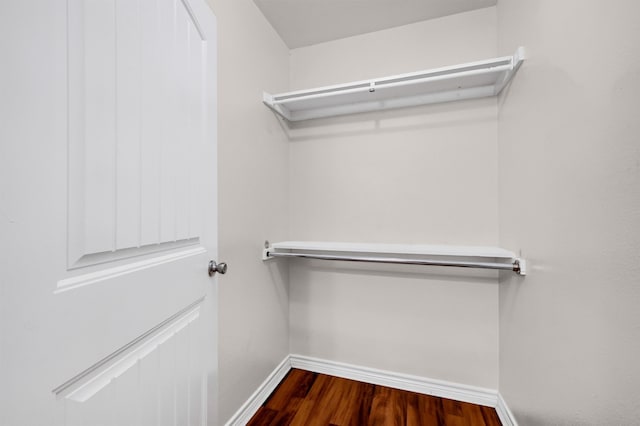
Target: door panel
107,313
133,176
159,388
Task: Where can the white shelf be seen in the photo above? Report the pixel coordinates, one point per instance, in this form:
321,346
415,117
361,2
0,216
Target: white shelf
414,249
465,81
412,253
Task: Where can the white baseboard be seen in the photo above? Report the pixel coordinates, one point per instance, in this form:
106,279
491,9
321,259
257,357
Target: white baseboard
505,415
255,401
439,388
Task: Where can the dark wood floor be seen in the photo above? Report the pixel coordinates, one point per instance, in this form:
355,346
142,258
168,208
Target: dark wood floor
311,399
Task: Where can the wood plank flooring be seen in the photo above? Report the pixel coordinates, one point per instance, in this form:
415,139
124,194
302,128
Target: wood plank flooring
304,398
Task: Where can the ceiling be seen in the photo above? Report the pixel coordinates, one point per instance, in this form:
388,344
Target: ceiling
306,22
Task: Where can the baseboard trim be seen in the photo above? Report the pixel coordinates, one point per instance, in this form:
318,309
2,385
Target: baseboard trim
506,416
439,388
255,401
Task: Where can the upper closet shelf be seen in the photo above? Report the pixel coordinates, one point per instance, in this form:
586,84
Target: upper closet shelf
465,81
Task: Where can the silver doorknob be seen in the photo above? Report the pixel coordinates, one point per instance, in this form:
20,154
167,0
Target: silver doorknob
217,267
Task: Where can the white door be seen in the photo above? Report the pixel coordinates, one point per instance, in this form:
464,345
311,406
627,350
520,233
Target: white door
107,212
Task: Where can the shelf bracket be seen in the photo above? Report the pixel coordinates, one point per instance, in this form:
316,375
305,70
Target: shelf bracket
518,58
268,100
520,266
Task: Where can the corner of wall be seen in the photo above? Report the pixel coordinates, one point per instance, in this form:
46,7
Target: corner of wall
252,146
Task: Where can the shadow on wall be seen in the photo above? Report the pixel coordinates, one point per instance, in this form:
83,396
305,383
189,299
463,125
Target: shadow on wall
413,272
446,115
279,274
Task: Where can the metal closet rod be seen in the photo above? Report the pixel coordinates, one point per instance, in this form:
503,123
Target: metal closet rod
515,266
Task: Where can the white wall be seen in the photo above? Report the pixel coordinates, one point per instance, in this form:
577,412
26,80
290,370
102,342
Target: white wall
417,175
570,200
253,200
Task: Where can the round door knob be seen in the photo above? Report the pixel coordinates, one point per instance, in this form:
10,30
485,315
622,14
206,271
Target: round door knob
217,267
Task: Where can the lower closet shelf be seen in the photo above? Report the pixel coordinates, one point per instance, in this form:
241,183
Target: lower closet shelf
409,254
